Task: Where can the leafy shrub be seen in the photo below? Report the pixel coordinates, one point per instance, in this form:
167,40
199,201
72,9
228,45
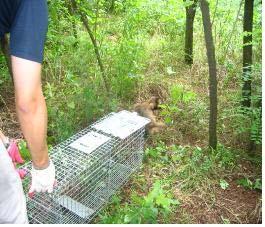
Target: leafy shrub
141,209
224,184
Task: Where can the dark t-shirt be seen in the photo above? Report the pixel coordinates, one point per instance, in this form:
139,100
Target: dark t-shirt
27,23
8,10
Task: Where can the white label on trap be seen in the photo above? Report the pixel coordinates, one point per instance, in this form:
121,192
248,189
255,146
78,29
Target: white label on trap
122,124
75,207
89,142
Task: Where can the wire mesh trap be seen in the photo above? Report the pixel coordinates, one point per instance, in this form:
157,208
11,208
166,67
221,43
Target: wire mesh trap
90,167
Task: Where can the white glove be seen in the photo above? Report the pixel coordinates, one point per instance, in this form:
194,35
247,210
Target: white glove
42,180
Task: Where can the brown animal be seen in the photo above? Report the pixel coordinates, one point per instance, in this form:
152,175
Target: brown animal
146,109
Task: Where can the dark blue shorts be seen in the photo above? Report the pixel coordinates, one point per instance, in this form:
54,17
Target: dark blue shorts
27,23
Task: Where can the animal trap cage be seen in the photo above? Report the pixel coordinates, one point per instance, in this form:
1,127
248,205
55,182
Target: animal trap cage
90,167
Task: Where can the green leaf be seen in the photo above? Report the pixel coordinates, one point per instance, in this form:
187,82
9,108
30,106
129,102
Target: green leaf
170,71
24,151
176,157
188,3
162,106
71,105
175,202
245,182
137,199
189,96
127,218
165,202
168,120
224,184
258,184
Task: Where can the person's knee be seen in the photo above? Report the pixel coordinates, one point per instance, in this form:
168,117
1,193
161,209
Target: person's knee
29,104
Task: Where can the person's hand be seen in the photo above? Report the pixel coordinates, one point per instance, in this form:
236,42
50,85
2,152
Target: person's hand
42,180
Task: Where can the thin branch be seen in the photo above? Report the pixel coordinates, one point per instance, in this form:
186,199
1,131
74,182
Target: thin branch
94,42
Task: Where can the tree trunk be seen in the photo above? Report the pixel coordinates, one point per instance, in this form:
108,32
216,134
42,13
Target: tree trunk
212,72
5,50
247,52
190,14
94,42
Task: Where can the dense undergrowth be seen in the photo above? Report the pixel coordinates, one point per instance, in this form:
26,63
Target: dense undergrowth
141,44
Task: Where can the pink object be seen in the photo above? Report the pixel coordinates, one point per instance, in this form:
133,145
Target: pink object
14,153
22,173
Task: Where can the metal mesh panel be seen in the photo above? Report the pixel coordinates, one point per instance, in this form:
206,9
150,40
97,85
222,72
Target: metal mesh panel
86,181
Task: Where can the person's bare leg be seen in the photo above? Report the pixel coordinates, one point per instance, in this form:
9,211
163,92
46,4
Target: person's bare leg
31,108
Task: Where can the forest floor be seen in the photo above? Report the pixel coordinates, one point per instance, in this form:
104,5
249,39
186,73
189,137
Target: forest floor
214,205
208,203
